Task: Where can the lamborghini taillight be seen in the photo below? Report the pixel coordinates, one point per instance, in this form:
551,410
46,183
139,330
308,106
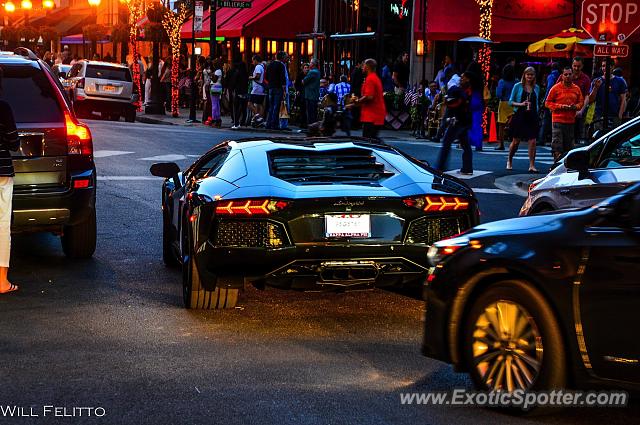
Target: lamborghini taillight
433,203
250,207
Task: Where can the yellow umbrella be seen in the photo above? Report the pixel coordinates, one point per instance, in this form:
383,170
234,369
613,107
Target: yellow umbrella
562,45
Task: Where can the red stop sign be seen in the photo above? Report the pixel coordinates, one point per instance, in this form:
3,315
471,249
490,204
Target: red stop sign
610,20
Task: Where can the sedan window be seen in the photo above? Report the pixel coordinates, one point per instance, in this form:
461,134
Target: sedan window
623,153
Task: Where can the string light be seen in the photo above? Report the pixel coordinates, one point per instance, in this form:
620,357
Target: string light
484,55
172,23
137,9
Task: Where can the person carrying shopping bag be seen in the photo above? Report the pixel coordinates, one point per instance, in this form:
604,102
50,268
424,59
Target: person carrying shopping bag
8,141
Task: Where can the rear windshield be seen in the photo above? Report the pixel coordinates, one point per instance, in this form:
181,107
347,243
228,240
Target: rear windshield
108,73
30,94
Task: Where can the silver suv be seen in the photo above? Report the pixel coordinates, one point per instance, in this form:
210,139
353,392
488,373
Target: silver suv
102,87
589,174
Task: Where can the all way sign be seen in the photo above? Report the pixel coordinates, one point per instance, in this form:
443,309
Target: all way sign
621,51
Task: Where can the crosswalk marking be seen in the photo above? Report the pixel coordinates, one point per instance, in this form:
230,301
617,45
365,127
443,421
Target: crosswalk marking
168,157
128,178
476,173
106,153
489,190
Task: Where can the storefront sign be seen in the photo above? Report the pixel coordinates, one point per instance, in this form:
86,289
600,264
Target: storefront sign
400,8
199,13
234,4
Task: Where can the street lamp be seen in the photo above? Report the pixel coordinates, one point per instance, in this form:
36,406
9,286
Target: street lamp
48,4
26,5
9,7
95,3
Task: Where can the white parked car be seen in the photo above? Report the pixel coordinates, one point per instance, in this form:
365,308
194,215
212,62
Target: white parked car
103,87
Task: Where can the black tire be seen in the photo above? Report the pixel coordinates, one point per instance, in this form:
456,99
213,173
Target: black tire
196,297
168,256
538,316
79,240
130,115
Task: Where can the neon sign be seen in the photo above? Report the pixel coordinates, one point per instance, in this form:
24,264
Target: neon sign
400,8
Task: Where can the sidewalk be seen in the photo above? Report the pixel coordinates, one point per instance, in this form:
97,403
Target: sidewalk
227,123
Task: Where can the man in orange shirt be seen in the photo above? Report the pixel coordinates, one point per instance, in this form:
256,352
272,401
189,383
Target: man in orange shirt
564,100
372,109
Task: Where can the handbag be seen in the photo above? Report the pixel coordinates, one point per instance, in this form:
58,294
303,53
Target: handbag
284,113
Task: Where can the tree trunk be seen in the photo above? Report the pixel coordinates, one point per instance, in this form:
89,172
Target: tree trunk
155,105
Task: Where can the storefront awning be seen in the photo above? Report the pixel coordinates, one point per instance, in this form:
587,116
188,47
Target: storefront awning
78,39
512,20
281,19
72,24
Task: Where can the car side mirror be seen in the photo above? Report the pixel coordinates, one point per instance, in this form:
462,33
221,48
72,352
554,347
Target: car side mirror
164,169
578,160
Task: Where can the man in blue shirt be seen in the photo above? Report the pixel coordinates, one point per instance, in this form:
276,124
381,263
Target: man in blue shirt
342,89
617,96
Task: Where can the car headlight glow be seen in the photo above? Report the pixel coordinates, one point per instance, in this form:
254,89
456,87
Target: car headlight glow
445,248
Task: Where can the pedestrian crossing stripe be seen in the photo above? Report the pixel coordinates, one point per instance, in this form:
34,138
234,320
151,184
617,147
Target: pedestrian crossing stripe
476,173
106,153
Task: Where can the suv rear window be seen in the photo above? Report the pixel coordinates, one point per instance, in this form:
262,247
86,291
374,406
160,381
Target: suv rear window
106,72
30,94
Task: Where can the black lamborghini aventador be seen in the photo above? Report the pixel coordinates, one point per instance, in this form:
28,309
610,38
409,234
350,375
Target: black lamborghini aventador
302,213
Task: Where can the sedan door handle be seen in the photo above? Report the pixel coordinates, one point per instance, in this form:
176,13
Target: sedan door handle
565,192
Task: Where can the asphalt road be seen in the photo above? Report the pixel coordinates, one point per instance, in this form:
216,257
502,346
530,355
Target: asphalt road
111,332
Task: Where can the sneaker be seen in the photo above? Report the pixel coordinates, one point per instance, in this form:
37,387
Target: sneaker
235,127
498,148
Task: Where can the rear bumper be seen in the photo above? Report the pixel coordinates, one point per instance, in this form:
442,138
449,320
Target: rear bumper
317,266
49,211
92,103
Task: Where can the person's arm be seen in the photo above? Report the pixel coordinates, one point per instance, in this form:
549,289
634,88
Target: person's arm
594,90
515,94
8,132
551,103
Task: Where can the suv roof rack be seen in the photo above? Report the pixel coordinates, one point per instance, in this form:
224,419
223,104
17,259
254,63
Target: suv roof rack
24,52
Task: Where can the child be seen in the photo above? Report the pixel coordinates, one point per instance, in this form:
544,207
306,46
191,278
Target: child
216,93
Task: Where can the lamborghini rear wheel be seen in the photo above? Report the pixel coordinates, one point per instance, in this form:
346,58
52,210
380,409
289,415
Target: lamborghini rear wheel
197,297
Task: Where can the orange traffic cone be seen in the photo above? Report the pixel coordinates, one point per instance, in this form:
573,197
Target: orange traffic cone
493,130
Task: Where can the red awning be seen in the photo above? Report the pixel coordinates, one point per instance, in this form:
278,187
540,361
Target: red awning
282,19
512,20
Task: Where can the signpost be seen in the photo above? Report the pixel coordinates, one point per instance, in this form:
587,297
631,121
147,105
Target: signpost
609,22
199,13
234,4
621,50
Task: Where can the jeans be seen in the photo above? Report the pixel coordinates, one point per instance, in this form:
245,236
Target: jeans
545,128
275,99
370,130
284,122
240,109
451,134
347,119
312,110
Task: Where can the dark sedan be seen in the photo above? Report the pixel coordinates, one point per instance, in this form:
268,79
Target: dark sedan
309,214
541,302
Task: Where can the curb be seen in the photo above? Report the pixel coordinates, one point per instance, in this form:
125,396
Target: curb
149,120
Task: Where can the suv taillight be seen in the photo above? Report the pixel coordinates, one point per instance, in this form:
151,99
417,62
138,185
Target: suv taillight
78,137
80,83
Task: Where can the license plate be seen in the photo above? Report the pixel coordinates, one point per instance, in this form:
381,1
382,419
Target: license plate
347,226
110,89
